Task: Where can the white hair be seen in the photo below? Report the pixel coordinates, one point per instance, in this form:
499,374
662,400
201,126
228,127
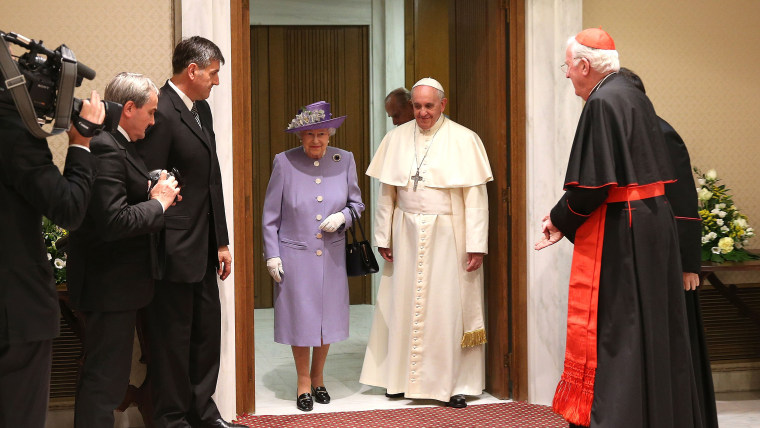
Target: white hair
441,94
602,60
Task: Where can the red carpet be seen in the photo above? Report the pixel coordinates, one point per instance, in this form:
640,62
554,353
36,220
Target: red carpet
514,414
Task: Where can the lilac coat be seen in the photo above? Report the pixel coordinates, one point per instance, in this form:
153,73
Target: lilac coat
311,302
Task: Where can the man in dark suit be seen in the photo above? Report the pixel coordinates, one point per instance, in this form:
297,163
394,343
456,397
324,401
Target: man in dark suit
185,315
109,259
32,186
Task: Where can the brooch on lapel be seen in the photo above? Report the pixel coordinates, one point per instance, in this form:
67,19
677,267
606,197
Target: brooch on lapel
336,157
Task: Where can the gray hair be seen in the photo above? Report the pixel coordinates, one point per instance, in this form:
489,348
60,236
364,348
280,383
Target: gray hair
602,60
330,132
130,87
402,95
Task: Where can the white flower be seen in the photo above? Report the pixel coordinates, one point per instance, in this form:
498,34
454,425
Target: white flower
715,250
704,195
741,223
701,181
721,205
705,240
719,222
722,214
712,235
711,175
50,256
726,245
59,264
724,229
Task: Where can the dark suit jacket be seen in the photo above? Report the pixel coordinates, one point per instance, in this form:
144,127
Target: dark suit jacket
109,257
198,222
682,196
32,186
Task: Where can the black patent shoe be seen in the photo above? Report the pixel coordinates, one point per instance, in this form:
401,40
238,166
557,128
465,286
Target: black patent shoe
457,402
399,395
320,395
304,402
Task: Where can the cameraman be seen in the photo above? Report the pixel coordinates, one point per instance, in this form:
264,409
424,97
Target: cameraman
110,257
32,186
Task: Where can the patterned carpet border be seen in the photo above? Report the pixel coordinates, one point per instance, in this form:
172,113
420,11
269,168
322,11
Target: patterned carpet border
502,415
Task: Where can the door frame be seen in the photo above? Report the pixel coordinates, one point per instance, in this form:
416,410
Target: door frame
508,307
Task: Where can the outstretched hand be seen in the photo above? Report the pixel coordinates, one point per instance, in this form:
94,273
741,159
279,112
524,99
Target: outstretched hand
552,235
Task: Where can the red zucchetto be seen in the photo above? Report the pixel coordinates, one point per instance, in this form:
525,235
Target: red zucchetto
595,38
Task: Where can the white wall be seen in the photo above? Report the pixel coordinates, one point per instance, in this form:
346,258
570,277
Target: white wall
552,114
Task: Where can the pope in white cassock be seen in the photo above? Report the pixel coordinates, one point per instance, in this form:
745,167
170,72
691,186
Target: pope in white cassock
431,227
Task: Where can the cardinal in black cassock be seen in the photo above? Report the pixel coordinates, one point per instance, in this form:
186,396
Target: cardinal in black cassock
627,361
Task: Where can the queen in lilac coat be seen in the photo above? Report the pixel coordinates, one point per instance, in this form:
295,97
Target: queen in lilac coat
306,211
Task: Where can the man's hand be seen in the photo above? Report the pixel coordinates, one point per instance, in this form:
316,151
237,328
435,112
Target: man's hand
274,266
225,262
690,281
474,261
385,253
333,222
93,111
552,235
165,191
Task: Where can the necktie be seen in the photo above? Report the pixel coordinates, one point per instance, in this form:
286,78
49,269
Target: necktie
194,111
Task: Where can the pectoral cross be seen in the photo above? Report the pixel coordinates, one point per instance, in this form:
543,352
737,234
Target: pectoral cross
416,177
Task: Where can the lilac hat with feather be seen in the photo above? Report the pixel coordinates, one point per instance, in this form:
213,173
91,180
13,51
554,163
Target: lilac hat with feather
314,116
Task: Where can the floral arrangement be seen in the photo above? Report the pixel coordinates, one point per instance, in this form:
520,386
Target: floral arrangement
725,231
52,233
307,117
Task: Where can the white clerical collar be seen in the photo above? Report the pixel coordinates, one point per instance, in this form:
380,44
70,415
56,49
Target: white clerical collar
185,99
433,129
600,82
124,133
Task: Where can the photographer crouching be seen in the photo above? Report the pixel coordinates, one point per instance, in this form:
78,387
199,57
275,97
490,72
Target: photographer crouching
110,260
32,186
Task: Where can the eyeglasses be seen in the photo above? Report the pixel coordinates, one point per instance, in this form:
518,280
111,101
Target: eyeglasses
564,66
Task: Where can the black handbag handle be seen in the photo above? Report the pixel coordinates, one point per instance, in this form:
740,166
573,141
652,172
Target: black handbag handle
354,221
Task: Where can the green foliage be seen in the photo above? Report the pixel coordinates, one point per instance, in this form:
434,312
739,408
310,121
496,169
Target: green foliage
52,233
725,231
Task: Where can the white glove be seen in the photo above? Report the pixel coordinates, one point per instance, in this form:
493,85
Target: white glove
274,266
333,222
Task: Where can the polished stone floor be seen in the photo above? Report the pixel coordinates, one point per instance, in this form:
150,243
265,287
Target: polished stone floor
276,378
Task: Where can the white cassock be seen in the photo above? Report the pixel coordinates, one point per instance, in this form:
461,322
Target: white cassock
428,331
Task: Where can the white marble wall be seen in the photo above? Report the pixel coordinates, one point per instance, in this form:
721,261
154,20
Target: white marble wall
211,19
552,113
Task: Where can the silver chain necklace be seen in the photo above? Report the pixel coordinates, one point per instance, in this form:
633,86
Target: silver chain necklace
417,177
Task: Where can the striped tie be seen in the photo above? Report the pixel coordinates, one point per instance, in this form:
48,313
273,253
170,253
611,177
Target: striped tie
194,111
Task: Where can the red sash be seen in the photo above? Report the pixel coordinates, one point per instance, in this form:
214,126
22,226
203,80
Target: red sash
575,392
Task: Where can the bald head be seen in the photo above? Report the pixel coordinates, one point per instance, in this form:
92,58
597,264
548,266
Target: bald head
398,105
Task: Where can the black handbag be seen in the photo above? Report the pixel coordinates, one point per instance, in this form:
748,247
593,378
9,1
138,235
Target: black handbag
360,260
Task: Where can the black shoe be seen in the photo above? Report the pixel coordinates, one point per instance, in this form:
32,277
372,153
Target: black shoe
304,402
399,395
457,402
320,395
221,423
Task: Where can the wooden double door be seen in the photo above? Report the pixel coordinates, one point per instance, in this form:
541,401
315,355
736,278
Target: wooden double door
293,66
